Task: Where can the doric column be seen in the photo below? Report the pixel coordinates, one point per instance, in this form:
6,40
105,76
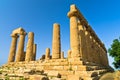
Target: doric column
56,44
13,48
23,56
83,48
74,35
29,49
47,53
88,45
62,55
34,51
20,50
92,49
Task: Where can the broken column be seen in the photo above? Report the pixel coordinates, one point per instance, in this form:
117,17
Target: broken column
74,35
56,45
47,53
69,54
13,48
20,50
62,55
34,51
29,49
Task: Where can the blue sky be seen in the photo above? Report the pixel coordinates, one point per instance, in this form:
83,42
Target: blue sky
38,16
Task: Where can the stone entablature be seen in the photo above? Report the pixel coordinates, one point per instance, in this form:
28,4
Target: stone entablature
21,55
84,42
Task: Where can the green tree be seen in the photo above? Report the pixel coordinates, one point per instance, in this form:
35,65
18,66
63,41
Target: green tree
114,51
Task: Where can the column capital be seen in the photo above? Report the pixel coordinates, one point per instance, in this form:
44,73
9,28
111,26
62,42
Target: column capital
23,33
14,35
73,11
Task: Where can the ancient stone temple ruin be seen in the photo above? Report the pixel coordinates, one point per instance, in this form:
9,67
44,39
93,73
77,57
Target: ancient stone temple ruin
86,59
21,55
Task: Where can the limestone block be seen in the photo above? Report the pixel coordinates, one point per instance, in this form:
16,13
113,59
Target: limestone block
65,73
74,77
38,77
66,67
55,63
53,74
76,63
79,68
58,68
64,63
48,67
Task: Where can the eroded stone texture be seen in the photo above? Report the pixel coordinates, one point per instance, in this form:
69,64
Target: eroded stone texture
13,48
74,35
62,55
83,46
20,49
29,50
69,53
23,56
56,43
34,51
47,54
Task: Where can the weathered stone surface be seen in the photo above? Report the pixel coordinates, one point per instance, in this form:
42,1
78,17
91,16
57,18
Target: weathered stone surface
43,57
74,35
20,49
38,77
47,54
29,48
62,55
34,51
56,43
13,48
69,53
74,77
82,38
54,74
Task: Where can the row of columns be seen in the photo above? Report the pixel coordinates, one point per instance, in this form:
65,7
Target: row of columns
83,44
20,55
30,53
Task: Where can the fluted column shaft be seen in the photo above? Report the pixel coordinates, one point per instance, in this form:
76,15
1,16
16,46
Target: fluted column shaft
13,48
74,34
83,47
29,50
20,50
47,55
34,51
56,44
